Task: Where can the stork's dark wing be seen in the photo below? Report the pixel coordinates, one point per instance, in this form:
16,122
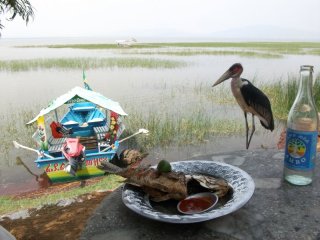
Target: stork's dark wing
256,99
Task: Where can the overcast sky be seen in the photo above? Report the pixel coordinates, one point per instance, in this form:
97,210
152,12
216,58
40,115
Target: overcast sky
169,18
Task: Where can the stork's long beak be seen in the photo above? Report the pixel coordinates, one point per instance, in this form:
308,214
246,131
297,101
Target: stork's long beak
224,77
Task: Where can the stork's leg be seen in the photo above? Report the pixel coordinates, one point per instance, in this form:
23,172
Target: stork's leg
252,131
247,129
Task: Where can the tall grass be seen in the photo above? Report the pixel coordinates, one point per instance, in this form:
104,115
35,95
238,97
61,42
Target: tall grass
13,128
283,45
283,93
269,45
79,63
9,204
193,52
192,127
275,47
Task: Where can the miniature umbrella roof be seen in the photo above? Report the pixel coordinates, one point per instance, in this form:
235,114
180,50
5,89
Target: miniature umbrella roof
79,94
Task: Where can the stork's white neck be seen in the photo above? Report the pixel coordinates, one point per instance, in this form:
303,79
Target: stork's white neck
236,83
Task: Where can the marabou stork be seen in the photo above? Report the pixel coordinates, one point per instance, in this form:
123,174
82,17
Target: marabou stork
250,99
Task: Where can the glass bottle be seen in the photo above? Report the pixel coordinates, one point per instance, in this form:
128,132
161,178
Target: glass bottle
302,133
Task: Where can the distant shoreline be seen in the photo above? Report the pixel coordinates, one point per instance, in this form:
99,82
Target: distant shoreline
66,40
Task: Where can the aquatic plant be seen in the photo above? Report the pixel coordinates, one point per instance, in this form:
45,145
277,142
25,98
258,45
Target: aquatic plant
89,63
191,127
275,45
268,48
282,94
12,127
193,52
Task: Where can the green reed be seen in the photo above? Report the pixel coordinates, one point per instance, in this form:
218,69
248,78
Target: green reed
283,92
193,52
9,204
13,128
269,45
277,48
191,127
79,63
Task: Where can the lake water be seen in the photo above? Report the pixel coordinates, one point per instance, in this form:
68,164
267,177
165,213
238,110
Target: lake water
120,84
138,87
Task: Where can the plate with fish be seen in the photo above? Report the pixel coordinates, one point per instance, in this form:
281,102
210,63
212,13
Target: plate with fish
156,194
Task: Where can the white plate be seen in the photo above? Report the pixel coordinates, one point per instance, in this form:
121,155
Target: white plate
240,181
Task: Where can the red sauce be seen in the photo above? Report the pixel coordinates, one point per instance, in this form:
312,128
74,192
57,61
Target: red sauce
195,205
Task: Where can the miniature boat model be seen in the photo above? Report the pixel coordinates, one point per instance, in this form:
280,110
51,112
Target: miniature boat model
91,119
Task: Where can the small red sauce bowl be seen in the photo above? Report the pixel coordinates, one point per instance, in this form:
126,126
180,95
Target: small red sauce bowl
198,203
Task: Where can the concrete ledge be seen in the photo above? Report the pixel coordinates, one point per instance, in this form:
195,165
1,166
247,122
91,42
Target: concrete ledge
277,209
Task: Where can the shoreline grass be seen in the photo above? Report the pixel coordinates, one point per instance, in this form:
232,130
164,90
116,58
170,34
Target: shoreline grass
288,45
192,52
13,128
281,94
166,129
300,48
257,49
10,204
80,63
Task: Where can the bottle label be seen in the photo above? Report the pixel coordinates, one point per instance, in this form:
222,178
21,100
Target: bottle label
301,149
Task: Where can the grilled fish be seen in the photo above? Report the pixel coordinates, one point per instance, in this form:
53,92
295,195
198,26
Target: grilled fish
163,186
128,157
160,186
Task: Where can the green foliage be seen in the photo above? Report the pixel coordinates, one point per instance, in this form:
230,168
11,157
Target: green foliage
193,52
12,127
88,63
285,46
193,127
275,47
282,94
255,49
23,8
8,204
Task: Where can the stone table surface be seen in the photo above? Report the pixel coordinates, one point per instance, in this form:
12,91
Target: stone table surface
277,209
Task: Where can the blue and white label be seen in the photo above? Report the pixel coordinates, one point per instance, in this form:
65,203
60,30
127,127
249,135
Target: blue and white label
301,149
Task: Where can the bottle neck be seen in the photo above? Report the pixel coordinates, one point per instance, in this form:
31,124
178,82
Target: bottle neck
305,84
303,114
